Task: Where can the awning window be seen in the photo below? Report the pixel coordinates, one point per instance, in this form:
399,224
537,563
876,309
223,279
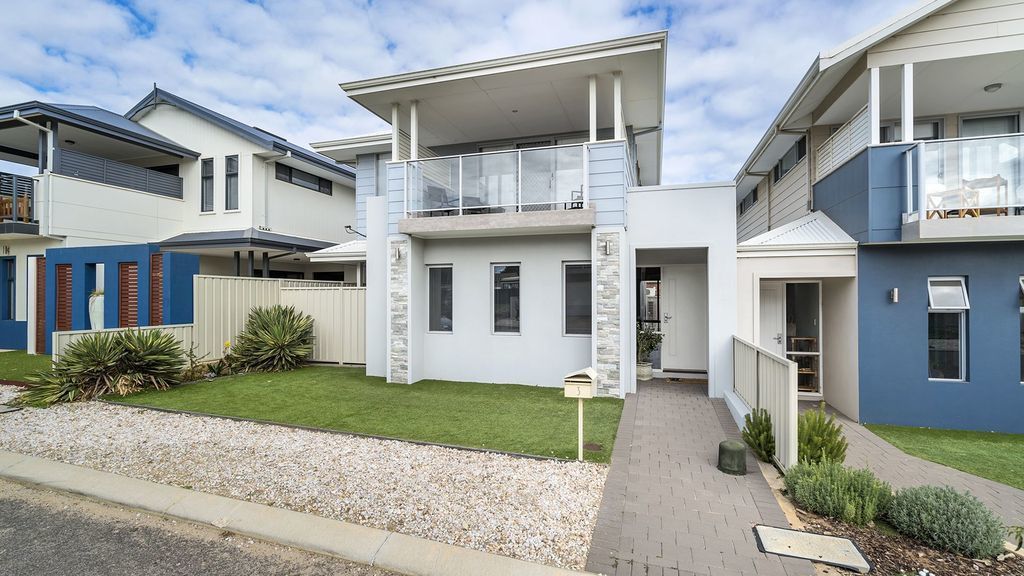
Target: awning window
948,294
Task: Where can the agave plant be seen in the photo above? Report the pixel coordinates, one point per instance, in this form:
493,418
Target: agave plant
108,362
274,339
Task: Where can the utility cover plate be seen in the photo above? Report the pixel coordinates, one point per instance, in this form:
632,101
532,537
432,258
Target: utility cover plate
5,408
833,550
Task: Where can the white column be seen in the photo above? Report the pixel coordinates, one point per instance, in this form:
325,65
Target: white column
394,131
593,108
907,101
414,130
620,126
874,114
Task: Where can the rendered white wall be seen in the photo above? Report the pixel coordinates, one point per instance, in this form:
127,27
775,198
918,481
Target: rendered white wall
376,283
21,249
297,211
540,355
840,358
694,216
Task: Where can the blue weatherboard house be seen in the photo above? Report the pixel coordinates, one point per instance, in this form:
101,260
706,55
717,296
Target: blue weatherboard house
880,224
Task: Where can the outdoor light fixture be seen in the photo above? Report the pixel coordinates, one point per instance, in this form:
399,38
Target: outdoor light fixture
69,142
352,230
993,87
398,253
607,248
894,295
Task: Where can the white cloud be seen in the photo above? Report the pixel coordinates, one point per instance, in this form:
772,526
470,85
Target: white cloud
277,64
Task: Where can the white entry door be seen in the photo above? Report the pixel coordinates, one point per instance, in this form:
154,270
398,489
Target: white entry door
684,317
772,317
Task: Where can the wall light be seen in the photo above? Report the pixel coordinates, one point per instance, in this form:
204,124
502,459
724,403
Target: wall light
894,295
398,253
993,87
607,248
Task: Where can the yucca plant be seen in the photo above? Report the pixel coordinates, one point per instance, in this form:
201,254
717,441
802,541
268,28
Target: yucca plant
108,362
820,437
758,433
275,339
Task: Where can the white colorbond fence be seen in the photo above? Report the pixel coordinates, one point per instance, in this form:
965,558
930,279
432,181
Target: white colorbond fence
221,305
846,143
61,340
765,380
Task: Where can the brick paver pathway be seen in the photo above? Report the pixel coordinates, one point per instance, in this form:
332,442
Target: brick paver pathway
902,470
666,509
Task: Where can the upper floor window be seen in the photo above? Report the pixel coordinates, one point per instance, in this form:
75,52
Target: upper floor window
231,183
989,125
304,179
748,201
382,173
206,191
923,130
947,326
790,159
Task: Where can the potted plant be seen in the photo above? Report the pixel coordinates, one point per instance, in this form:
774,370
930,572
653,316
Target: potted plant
96,309
646,341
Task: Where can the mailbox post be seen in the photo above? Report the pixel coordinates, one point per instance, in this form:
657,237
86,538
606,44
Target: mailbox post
580,385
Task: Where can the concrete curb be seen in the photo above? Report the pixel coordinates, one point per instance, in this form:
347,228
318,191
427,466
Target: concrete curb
371,546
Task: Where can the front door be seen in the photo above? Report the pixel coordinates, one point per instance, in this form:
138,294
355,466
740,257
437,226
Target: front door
684,318
772,315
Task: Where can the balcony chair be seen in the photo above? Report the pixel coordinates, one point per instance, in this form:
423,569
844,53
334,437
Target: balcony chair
1002,187
438,201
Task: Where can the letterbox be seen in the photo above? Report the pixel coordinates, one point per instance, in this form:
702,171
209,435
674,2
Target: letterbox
580,384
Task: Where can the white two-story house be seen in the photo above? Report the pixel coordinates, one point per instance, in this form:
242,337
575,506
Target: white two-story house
518,228
134,205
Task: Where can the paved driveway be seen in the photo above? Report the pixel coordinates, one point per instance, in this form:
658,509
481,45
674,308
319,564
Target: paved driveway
667,510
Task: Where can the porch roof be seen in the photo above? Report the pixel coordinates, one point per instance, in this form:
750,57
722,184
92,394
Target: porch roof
354,251
226,242
815,230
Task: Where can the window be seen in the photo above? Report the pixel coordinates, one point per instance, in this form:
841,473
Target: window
206,191
989,126
947,310
748,201
1021,298
231,183
505,278
790,159
923,130
577,298
382,174
304,179
440,295
7,288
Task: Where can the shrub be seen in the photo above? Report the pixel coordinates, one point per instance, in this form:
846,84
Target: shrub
947,520
833,490
646,341
108,363
274,339
758,433
819,437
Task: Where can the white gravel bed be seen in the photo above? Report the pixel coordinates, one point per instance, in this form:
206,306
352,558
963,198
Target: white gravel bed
543,511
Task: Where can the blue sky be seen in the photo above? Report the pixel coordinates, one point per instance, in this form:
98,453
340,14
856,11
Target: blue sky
277,65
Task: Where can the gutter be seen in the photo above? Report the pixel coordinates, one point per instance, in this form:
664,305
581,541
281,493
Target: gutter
49,137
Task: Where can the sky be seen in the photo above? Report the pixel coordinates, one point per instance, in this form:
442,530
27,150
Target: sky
277,65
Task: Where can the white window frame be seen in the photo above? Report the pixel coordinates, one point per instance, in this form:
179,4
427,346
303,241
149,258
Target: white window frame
961,313
452,268
565,307
990,114
963,288
490,271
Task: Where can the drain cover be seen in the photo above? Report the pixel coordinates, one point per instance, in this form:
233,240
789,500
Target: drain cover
832,550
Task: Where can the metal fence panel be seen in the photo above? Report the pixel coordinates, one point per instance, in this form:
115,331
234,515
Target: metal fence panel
61,340
339,321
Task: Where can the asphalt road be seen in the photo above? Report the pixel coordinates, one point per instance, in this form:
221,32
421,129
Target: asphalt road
43,532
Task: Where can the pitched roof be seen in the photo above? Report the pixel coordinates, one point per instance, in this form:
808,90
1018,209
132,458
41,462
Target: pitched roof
100,121
253,134
814,229
349,251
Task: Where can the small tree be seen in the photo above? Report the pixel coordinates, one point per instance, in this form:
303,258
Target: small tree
646,341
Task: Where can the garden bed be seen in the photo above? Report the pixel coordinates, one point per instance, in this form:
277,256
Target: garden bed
891,554
537,510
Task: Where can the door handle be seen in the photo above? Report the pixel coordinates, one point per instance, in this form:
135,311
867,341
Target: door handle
778,338
667,317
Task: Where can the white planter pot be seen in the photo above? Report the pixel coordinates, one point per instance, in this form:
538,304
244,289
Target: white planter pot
644,371
96,312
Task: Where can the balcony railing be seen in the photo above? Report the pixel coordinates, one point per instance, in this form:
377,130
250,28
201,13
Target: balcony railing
532,179
104,171
16,198
844,144
966,177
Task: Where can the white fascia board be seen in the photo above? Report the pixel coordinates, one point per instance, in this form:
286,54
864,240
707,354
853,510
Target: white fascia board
609,48
867,39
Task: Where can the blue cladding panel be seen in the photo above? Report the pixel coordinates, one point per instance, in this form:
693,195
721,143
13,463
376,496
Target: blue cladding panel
887,173
843,196
13,334
607,182
894,384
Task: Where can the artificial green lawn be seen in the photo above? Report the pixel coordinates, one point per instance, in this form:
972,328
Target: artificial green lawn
17,366
998,457
525,419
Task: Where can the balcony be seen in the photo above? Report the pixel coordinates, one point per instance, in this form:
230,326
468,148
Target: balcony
534,190
17,205
95,169
965,188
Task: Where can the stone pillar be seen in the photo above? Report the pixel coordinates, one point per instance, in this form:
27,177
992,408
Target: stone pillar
608,324
399,252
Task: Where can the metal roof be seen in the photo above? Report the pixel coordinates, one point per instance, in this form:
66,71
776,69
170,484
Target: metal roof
247,238
253,134
814,229
349,251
